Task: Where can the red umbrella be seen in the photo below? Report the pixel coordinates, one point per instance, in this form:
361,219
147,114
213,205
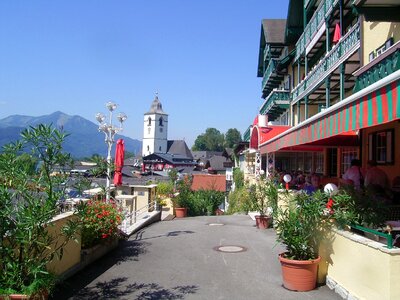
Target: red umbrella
336,34
119,162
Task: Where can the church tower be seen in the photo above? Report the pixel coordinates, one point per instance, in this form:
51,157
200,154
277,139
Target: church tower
155,130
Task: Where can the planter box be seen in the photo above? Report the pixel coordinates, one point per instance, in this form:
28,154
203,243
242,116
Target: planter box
92,254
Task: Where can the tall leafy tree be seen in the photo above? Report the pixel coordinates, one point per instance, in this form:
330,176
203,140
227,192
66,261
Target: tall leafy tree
211,140
232,137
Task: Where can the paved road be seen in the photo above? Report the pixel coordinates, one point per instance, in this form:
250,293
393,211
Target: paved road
177,260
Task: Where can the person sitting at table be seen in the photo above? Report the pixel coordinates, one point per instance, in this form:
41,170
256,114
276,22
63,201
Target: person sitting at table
311,184
354,174
375,176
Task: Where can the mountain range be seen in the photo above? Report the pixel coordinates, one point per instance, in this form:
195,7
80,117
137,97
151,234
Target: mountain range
84,139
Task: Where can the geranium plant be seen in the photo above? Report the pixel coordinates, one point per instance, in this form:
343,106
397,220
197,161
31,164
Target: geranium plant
100,220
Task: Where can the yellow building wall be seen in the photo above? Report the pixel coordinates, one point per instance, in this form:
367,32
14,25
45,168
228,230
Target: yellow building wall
391,170
72,250
365,268
145,194
312,110
375,34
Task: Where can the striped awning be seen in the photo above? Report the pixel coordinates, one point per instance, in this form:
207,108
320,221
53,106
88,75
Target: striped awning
361,110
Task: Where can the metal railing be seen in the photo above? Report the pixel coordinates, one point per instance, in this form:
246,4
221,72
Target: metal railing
131,216
387,236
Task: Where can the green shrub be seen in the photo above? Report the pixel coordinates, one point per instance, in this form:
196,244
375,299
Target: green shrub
239,201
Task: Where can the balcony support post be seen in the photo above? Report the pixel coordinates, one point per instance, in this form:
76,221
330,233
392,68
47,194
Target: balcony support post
327,92
298,112
328,38
342,74
305,107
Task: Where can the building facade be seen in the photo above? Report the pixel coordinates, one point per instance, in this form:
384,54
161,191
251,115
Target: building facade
333,77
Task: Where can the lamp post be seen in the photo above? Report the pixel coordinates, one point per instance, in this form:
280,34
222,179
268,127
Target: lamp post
109,131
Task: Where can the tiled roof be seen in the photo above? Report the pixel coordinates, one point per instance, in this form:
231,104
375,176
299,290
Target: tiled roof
209,182
179,147
217,162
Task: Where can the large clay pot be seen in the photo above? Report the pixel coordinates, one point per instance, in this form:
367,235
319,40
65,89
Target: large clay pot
180,212
43,295
263,222
299,275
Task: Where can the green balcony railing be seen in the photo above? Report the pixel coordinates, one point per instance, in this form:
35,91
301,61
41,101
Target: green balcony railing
246,135
381,67
267,52
280,98
271,68
323,11
337,55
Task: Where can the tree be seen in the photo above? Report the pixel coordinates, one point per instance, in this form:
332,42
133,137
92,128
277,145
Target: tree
211,140
232,137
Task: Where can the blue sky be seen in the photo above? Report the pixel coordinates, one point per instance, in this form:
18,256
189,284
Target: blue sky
74,56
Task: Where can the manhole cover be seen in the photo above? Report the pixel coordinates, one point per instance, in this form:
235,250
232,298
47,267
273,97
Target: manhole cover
216,224
230,249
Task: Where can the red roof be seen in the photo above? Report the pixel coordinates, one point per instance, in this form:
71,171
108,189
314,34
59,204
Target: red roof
209,182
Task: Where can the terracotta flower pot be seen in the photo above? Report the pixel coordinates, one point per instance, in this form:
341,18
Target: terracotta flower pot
180,212
263,222
43,295
299,275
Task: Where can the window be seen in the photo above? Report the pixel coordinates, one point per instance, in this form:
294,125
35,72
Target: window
319,162
161,130
148,148
160,122
149,121
381,147
347,156
371,55
308,162
384,47
159,148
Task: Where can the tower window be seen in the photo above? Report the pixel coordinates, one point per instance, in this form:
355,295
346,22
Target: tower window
159,148
148,148
160,122
149,121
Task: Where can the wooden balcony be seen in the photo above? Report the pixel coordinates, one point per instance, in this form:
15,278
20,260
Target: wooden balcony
312,28
379,68
329,63
275,104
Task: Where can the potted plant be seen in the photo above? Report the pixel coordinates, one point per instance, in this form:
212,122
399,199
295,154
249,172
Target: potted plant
300,227
180,201
264,197
28,202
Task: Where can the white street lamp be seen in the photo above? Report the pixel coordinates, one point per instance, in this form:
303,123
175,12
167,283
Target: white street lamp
109,131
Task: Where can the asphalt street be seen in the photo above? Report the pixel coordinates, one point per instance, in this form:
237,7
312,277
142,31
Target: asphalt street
217,257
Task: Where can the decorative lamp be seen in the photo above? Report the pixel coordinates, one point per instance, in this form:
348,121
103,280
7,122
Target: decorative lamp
287,178
331,189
